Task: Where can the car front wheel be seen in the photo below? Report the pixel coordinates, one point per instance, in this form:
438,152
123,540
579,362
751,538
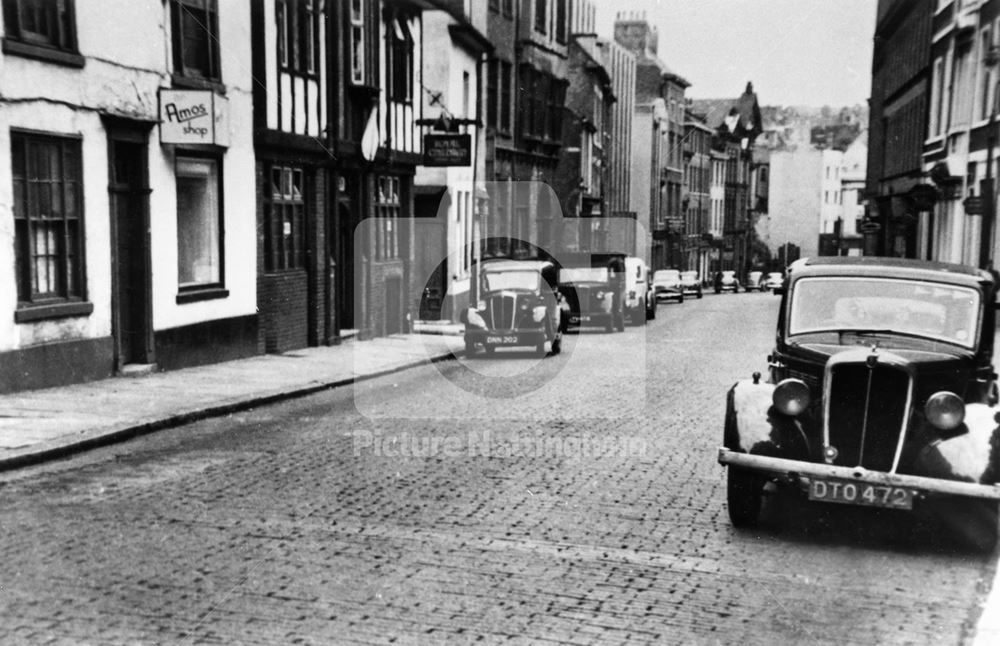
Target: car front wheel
745,496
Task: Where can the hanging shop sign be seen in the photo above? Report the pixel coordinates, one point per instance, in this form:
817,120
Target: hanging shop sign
193,117
447,150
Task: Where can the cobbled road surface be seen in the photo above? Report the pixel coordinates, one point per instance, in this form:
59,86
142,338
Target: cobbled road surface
571,500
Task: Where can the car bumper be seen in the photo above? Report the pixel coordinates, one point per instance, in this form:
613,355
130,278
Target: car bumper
666,296
800,473
508,338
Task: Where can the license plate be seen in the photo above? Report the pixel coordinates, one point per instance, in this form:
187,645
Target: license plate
507,339
579,319
861,493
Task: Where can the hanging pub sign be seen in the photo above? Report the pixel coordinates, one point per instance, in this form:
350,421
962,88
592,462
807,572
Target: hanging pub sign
193,117
447,150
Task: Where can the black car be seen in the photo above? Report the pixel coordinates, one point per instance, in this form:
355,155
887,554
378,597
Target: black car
880,393
519,305
594,288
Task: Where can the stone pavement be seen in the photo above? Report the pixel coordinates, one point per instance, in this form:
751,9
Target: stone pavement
45,424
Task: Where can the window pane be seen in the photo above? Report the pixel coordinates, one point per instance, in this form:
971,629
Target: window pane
197,222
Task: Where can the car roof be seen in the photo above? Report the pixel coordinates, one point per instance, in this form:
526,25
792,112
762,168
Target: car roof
876,266
504,264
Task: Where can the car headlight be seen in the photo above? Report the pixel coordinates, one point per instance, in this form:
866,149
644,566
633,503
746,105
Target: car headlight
538,313
945,410
599,295
481,304
473,318
791,396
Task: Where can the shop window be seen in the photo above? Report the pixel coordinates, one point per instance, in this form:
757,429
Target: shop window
44,29
199,226
48,218
284,215
387,211
195,38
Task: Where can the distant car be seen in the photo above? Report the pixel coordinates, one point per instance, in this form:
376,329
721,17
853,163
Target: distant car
725,281
690,283
667,285
774,281
519,306
881,393
755,281
594,288
640,302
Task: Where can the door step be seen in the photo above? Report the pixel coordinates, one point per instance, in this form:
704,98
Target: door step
138,369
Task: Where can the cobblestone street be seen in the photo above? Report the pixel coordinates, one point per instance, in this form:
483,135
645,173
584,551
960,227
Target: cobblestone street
573,499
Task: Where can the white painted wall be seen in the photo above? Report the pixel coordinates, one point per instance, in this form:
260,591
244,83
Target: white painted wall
126,47
794,199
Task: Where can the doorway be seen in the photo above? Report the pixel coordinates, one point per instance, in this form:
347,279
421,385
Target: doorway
128,189
345,268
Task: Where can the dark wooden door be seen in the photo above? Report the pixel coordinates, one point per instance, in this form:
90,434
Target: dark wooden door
129,207
345,267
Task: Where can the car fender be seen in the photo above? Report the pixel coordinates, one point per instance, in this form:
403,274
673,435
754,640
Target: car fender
970,453
754,426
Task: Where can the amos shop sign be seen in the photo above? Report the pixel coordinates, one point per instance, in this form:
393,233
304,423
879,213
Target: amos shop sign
193,117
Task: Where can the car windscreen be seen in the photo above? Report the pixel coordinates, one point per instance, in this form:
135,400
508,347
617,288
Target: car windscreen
512,279
946,313
666,277
583,275
690,276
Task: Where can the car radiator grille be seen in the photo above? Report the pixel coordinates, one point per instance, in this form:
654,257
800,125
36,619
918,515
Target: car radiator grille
870,443
583,300
502,309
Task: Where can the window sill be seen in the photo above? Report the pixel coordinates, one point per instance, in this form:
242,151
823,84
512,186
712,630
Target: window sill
196,83
26,313
47,54
202,294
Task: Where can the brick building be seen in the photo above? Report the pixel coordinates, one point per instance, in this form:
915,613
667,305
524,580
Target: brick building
523,137
658,131
376,48
580,179
295,274
896,188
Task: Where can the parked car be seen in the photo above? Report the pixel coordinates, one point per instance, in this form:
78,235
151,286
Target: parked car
755,281
594,288
667,285
881,393
725,281
640,302
519,305
690,284
774,281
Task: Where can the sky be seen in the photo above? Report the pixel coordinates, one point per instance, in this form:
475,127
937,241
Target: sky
796,52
